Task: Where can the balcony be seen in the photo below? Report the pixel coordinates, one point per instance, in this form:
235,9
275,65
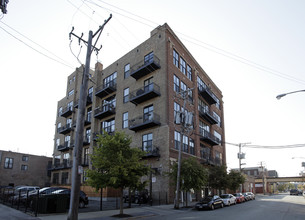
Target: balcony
208,137
145,93
208,161
86,140
150,151
104,111
65,129
67,145
88,101
106,89
67,112
145,67
143,122
207,94
206,114
59,166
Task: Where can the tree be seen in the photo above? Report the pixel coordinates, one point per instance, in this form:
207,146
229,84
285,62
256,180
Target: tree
235,178
116,164
192,175
218,177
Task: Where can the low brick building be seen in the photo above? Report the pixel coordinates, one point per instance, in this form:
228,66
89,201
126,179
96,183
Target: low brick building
24,169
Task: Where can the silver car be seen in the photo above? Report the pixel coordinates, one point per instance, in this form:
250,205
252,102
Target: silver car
228,199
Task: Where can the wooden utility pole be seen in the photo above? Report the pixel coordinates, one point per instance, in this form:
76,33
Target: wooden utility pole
77,153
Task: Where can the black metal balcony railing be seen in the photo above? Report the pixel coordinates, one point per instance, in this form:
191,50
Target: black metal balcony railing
208,115
86,140
65,129
144,93
66,112
88,101
66,145
104,111
145,121
145,67
151,151
106,89
208,137
207,94
63,165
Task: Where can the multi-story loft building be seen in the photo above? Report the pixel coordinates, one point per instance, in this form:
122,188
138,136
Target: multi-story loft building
24,169
140,94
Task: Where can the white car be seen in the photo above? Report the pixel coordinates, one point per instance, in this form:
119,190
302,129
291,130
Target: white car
228,199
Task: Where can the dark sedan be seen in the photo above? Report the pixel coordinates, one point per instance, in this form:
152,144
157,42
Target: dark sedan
83,199
210,202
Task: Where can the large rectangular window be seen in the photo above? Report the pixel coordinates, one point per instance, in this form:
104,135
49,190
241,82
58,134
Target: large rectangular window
177,140
176,58
126,95
86,156
148,113
109,126
25,158
149,58
176,109
125,120
110,80
189,72
182,66
89,114
8,163
176,84
185,147
64,178
126,71
192,146
147,142
24,167
55,178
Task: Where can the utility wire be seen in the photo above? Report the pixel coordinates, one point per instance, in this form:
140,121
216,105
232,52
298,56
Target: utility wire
36,49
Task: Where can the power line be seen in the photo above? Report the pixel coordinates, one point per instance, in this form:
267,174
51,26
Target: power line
35,49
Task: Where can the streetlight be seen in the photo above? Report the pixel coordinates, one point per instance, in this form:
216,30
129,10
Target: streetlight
284,94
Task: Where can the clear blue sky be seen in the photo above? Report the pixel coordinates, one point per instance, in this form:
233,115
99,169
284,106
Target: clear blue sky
252,50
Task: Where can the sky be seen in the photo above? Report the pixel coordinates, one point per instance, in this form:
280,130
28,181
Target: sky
252,49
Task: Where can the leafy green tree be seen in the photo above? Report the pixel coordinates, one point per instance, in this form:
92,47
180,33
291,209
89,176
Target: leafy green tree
218,177
235,178
116,164
192,175
282,187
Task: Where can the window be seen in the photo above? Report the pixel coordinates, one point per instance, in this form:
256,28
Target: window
90,92
176,84
147,142
176,108
176,58
218,119
25,158
89,114
108,126
70,106
182,66
86,156
185,147
24,167
57,142
109,103
126,95
88,135
190,95
59,111
58,126
205,152
67,141
183,87
192,146
177,140
55,178
203,128
126,71
69,122
71,92
110,80
189,72
125,120
64,178
148,113
56,160
217,102
8,163
148,85
149,58
217,135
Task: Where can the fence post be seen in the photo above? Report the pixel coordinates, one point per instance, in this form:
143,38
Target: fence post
37,200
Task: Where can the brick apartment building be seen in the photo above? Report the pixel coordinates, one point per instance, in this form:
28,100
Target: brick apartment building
24,169
138,94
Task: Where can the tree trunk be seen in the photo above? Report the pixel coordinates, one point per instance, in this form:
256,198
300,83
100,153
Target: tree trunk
121,202
186,198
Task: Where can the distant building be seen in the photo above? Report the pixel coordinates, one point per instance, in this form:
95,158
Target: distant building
24,169
140,94
272,173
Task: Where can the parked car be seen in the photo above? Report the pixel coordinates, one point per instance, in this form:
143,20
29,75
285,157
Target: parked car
239,197
23,190
251,195
210,202
228,199
247,197
296,192
83,199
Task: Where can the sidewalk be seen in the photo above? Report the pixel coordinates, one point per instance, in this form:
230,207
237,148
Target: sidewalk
8,213
134,212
